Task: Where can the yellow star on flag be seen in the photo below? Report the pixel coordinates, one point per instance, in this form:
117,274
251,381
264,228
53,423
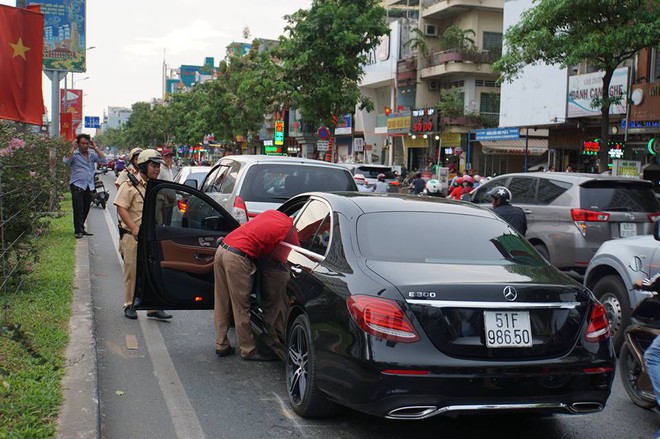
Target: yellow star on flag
19,49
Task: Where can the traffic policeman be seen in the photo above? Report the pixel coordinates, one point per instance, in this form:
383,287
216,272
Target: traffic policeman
133,168
129,202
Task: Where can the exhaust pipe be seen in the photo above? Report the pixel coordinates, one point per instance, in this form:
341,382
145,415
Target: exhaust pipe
412,412
586,407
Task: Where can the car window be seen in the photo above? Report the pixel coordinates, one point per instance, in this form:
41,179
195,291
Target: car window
229,178
214,179
549,190
522,189
373,171
492,242
481,195
270,182
181,209
617,196
310,223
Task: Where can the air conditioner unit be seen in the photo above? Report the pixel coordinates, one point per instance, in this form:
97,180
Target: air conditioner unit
433,85
430,30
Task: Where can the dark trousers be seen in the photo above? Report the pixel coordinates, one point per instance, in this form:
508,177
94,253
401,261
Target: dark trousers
81,199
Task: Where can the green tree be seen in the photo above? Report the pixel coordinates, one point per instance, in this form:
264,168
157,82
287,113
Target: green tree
418,42
450,106
113,138
455,38
603,33
324,51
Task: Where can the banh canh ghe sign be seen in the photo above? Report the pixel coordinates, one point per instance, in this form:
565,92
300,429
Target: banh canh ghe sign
398,123
627,168
64,34
583,89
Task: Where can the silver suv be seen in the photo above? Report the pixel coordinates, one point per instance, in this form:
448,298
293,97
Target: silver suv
246,185
570,215
612,272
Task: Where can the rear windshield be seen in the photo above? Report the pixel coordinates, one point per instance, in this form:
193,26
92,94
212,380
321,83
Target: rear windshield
618,197
276,183
373,171
414,237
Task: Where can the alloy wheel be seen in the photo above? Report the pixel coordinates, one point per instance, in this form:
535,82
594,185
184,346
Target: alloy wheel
297,365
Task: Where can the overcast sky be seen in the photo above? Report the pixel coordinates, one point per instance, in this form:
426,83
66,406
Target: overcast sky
131,39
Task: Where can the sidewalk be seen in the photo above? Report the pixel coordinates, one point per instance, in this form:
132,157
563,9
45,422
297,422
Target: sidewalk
79,415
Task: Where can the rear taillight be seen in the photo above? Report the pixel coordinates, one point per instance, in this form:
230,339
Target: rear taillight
382,318
653,217
182,204
240,211
589,215
599,327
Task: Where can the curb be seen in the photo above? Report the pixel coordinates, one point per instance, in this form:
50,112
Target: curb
80,415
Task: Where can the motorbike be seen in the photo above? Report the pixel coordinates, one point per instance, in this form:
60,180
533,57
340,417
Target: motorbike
101,194
119,166
638,336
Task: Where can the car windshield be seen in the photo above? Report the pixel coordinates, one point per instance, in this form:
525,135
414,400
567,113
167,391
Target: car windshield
270,182
418,237
373,171
619,197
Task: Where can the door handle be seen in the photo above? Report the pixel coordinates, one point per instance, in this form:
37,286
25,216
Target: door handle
527,211
203,258
296,270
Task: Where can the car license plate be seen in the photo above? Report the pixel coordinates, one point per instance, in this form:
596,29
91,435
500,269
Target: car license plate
627,229
507,329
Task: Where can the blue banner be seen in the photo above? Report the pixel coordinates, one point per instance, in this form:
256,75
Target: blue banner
493,134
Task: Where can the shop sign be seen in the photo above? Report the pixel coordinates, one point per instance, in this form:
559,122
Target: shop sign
627,168
591,147
494,134
358,144
582,89
616,150
273,150
645,102
344,126
279,132
398,123
424,120
268,142
451,139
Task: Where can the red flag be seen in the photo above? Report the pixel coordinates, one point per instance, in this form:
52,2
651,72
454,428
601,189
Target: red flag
21,56
66,126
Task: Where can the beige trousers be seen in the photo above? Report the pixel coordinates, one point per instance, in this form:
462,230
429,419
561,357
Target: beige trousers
234,276
128,251
275,302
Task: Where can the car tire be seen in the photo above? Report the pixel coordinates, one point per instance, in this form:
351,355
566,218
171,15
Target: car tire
301,373
630,368
611,292
543,250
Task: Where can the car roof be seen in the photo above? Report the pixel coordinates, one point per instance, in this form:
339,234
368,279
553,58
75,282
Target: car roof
250,159
371,202
573,177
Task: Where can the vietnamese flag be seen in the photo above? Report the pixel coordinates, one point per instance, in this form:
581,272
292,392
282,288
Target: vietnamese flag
21,55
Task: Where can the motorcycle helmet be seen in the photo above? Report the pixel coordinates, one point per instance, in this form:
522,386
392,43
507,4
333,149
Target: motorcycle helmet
146,156
433,186
468,179
501,193
359,179
134,152
459,181
381,177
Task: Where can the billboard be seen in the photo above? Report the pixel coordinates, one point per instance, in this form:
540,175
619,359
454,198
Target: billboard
64,34
71,103
582,89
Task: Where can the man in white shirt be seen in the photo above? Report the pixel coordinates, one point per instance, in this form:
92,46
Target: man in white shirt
167,170
166,198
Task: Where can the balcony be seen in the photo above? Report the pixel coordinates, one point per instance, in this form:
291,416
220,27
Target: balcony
406,72
443,9
459,61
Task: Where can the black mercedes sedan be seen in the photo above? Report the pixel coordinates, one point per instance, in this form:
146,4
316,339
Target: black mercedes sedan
400,307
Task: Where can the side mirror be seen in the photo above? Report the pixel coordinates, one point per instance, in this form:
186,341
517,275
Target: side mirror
656,230
211,223
191,183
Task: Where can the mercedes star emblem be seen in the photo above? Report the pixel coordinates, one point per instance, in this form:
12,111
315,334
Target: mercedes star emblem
510,294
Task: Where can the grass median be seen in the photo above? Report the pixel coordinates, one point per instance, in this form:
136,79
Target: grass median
34,336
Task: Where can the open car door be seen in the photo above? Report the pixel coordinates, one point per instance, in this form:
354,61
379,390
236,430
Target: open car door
180,232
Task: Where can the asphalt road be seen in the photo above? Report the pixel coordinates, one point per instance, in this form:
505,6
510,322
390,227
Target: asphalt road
163,380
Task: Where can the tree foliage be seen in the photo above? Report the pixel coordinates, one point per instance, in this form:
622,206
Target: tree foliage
324,51
603,33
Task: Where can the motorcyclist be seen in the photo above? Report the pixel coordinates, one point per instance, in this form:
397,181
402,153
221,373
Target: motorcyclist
381,185
361,183
433,188
501,202
652,353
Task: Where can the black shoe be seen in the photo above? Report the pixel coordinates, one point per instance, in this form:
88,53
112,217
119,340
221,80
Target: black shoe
225,352
160,315
78,235
130,313
86,233
257,356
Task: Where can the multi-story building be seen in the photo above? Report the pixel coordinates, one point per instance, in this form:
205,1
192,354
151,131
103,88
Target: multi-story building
115,117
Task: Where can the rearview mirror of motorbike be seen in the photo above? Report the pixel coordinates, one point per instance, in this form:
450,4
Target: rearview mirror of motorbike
656,230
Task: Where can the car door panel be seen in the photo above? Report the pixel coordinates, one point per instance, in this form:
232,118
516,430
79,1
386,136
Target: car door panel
175,254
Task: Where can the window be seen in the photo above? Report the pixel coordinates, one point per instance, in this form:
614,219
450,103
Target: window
489,103
522,190
655,65
549,190
310,222
481,195
214,180
229,178
492,41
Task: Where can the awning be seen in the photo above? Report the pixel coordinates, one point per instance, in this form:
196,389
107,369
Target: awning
515,147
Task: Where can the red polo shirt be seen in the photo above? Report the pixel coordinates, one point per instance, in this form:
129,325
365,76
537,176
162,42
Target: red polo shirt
261,234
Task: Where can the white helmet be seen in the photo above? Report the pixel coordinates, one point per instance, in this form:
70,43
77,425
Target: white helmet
359,179
433,186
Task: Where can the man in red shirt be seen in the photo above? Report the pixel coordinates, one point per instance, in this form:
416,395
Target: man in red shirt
234,268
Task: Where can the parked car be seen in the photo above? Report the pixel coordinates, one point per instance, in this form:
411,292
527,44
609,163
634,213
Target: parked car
371,171
397,324
612,271
570,215
192,176
246,185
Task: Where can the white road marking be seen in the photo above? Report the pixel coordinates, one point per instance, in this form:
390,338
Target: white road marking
290,416
182,414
